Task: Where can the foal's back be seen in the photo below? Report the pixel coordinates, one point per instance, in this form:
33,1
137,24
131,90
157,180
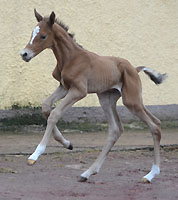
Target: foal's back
107,72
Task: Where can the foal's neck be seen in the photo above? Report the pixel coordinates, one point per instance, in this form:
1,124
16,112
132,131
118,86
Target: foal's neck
64,48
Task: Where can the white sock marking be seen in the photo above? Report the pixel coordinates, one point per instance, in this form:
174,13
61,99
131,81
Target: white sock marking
86,174
39,150
35,32
154,171
66,143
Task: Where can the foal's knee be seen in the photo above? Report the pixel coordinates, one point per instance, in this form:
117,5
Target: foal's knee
114,134
158,122
46,108
157,132
53,117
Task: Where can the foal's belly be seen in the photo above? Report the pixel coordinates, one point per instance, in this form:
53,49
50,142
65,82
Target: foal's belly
95,88
104,82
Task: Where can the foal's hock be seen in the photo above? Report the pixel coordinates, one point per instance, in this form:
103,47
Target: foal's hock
81,72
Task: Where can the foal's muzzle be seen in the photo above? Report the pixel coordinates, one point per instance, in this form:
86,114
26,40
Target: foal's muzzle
27,54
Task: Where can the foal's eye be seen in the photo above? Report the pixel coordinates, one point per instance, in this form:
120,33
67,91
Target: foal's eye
43,37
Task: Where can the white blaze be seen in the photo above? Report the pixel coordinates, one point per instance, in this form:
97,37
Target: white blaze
35,32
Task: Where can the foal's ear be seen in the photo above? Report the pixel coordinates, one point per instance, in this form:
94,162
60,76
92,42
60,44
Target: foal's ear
38,16
51,19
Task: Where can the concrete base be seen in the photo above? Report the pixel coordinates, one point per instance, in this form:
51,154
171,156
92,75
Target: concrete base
30,116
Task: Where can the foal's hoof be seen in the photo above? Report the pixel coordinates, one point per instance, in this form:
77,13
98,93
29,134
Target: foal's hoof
82,179
145,180
70,147
31,162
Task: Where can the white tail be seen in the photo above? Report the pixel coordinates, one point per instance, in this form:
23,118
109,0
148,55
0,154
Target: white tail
157,78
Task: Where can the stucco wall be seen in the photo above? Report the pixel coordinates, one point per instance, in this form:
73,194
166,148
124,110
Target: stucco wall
144,32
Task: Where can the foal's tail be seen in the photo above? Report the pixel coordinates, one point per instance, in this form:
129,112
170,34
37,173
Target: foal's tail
157,78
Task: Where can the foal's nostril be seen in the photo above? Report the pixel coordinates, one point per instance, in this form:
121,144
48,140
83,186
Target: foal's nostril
25,54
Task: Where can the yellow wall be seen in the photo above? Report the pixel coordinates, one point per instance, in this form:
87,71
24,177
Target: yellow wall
144,32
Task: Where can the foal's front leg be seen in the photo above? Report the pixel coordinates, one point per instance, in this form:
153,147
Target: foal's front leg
72,97
108,102
58,94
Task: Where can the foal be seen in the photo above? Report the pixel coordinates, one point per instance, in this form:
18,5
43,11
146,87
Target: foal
81,72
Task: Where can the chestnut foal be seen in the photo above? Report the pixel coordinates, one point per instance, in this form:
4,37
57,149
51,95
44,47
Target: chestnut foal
81,72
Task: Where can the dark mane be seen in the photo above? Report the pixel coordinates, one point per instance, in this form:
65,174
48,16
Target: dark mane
66,28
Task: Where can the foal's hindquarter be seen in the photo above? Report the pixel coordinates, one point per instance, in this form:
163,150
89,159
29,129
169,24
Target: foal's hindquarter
81,72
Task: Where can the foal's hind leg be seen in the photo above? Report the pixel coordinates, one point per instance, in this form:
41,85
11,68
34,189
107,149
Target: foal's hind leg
154,126
132,99
108,102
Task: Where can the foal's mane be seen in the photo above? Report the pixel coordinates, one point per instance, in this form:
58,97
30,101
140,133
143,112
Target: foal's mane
66,28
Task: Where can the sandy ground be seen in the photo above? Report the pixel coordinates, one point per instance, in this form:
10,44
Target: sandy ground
55,175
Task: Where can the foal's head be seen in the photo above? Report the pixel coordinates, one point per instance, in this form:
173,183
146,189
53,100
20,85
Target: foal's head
41,38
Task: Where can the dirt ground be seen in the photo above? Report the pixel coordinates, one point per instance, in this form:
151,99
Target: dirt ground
55,175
